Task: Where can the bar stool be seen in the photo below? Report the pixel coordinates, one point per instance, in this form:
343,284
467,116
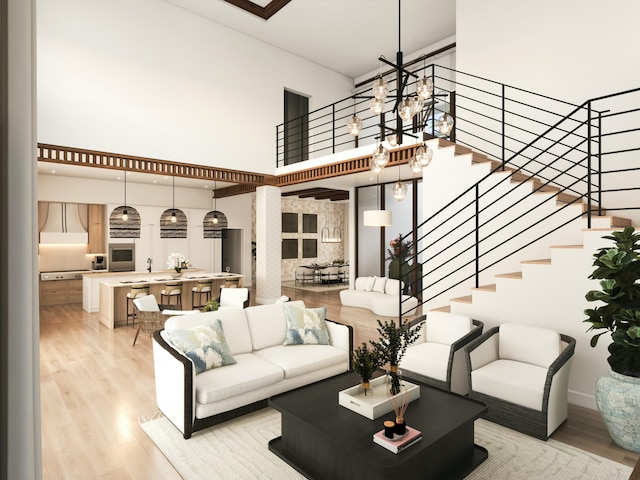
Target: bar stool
136,291
232,283
171,290
202,288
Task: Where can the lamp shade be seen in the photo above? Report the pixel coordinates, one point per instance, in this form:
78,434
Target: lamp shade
377,218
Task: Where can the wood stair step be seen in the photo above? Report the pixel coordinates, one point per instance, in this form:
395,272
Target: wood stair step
542,261
467,299
446,308
486,288
515,275
620,222
576,247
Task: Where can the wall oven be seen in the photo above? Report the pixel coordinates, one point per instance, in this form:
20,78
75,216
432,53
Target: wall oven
122,257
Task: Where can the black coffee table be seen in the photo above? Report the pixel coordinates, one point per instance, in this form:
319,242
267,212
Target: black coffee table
323,440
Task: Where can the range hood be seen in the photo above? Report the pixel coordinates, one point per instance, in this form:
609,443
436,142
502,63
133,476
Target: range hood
65,224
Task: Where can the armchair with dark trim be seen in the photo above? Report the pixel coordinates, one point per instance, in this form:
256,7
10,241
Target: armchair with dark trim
522,374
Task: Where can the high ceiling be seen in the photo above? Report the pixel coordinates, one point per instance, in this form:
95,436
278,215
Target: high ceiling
347,36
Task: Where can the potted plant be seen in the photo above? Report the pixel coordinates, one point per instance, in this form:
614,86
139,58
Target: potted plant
365,363
393,343
211,306
618,269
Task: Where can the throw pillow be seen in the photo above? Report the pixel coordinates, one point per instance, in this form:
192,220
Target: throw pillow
305,326
204,344
378,284
370,283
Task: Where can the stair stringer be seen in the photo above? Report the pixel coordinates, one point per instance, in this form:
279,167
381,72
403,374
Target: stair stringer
552,296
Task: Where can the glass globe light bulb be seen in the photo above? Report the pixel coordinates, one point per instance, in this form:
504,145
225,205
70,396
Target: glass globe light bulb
399,191
214,220
424,88
445,124
376,106
392,139
424,155
405,110
173,217
380,156
125,215
415,165
416,104
375,168
354,125
380,88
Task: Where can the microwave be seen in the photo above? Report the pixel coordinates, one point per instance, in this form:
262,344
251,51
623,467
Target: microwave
122,257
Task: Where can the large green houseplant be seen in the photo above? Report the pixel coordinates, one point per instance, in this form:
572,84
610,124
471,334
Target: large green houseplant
617,393
618,270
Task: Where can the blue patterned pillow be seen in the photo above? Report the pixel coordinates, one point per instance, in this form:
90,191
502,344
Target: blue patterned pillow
204,344
305,325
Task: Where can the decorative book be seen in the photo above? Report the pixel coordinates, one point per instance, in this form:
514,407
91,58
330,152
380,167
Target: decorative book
412,437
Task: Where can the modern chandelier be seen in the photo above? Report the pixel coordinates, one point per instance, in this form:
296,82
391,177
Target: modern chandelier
406,106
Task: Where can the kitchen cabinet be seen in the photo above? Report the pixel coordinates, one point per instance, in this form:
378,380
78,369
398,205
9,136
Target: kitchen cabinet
96,216
59,292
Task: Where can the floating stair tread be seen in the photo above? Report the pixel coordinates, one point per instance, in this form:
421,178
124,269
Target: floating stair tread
467,299
486,288
516,275
576,247
446,308
542,261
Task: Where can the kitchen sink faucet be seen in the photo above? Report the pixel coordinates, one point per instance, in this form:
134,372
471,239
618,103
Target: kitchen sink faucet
149,264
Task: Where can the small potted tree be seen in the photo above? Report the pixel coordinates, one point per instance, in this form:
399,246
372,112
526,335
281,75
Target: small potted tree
618,269
365,363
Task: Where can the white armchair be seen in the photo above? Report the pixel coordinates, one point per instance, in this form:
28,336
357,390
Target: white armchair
233,298
522,374
438,357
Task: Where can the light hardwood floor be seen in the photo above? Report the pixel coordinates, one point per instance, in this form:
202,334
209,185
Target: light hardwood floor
96,388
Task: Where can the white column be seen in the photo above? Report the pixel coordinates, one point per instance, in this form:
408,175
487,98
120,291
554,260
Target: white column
19,322
268,244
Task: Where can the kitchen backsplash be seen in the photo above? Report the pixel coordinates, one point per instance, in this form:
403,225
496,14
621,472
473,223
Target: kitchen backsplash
53,258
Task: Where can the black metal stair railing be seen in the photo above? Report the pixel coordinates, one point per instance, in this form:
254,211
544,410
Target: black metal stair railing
571,161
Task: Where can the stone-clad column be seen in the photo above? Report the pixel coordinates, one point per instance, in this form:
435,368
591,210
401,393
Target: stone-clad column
268,244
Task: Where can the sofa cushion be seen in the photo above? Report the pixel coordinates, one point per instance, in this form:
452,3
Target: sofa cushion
204,344
446,328
361,284
234,323
428,359
369,283
298,360
305,325
393,286
249,373
534,345
517,382
378,284
268,324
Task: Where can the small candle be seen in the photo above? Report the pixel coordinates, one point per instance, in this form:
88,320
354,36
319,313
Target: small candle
388,428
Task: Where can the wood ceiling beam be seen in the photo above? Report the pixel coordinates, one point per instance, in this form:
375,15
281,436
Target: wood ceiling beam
265,12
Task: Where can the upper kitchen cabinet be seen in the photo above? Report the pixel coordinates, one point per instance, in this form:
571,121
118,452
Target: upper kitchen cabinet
96,214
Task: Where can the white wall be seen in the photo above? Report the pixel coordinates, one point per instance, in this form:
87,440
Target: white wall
143,77
573,50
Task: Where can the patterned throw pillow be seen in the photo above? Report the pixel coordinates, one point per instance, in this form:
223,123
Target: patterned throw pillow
305,326
204,344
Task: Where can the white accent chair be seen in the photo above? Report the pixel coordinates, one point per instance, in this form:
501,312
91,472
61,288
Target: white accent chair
522,374
438,358
233,298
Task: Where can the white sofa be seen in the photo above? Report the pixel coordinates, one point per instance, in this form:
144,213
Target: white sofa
264,366
380,295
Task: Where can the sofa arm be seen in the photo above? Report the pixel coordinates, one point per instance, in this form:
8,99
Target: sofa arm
483,350
341,336
175,386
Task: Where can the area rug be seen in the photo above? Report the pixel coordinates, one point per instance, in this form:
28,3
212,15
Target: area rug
238,450
314,288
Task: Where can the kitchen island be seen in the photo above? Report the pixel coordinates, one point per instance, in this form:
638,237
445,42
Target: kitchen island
113,290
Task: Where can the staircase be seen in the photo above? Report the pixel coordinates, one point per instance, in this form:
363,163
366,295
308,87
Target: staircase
517,244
